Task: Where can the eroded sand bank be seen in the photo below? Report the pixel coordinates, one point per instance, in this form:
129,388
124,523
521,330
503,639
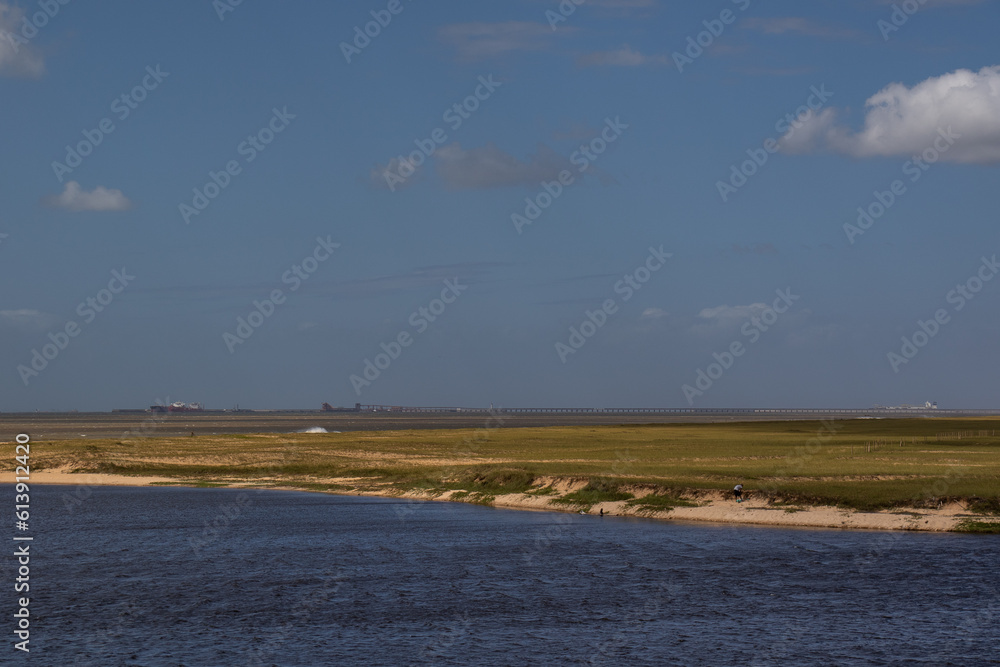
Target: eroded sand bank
713,506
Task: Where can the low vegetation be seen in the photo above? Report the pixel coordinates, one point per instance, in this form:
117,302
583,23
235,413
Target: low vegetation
917,463
983,527
655,502
596,491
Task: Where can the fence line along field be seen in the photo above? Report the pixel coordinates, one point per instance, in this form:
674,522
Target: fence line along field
860,465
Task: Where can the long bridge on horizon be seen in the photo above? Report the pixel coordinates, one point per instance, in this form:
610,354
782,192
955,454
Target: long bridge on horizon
873,411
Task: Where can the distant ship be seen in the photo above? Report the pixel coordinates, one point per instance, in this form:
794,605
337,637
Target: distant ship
179,406
329,408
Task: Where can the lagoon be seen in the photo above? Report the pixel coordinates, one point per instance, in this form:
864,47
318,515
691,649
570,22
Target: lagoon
171,576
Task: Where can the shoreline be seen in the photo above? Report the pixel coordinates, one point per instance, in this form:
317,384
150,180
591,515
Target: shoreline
713,506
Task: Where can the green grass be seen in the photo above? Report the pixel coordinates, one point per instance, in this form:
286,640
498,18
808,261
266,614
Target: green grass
659,503
498,481
982,527
797,463
596,491
985,505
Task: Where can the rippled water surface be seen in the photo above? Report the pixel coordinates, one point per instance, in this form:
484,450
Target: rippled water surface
132,577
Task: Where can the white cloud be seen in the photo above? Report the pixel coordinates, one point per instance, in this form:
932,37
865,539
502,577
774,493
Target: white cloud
25,319
903,121
17,56
726,313
623,57
475,41
725,317
74,198
490,167
796,25
398,174
653,314
942,3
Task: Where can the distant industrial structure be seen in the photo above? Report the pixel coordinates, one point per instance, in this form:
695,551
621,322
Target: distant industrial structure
177,407
929,408
878,410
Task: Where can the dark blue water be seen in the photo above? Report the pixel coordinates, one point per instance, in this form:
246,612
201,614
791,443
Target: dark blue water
134,577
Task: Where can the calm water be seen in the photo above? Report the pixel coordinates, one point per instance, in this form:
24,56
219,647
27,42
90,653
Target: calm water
308,579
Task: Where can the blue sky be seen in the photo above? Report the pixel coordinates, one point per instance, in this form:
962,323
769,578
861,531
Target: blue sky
327,131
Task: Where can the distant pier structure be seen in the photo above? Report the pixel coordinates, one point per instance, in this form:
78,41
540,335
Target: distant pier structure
876,411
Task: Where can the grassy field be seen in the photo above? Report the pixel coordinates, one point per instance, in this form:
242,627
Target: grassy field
862,464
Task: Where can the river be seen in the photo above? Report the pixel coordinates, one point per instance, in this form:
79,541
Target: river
176,576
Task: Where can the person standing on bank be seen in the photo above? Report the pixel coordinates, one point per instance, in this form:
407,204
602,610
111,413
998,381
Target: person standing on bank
738,493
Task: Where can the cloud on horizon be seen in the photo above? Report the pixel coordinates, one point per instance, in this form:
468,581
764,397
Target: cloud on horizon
17,58
75,198
653,314
26,320
756,249
490,167
623,57
725,317
901,121
796,25
480,40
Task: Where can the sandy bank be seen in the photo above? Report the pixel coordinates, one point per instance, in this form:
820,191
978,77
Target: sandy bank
761,513
64,476
713,507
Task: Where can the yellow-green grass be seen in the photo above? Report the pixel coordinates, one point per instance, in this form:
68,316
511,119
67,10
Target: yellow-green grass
864,464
